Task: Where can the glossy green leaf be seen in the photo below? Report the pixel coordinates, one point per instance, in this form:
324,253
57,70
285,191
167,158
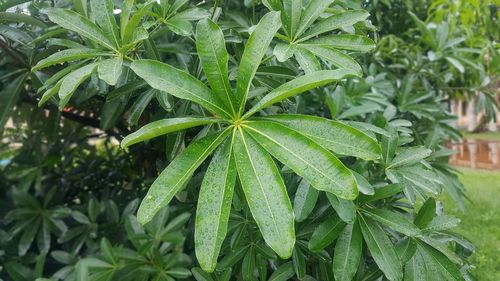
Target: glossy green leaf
79,24
406,249
312,11
284,272
415,269
335,136
139,106
67,55
307,61
71,82
410,156
8,97
176,175
363,185
211,49
16,35
164,126
347,254
449,270
110,70
393,220
176,82
335,57
339,20
105,18
381,249
18,17
47,95
284,51
389,144
306,158
304,201
350,42
426,213
214,206
255,49
299,85
265,193
344,208
290,16
326,233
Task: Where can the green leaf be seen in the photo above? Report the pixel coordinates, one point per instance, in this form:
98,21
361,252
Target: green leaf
8,97
213,55
71,82
284,272
214,206
265,193
426,213
312,11
284,51
79,24
255,48
292,10
47,95
176,175
164,126
17,17
406,249
415,269
139,106
340,20
304,201
335,57
449,270
442,222
178,83
381,249
410,156
16,35
344,208
110,70
105,18
389,144
347,254
306,158
326,233
299,85
335,136
393,220
67,55
350,42
307,61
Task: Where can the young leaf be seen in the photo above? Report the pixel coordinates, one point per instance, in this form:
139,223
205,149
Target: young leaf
75,22
72,81
164,126
305,200
214,206
178,83
255,49
211,49
339,20
104,17
326,233
343,41
312,11
265,193
335,136
175,176
110,70
347,254
306,158
299,85
381,249
67,55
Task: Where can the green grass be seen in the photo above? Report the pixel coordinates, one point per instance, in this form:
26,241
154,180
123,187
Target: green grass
495,136
481,221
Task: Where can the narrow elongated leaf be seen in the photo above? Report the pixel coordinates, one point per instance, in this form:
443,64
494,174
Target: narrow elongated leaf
326,233
313,10
178,83
307,61
343,41
340,20
127,6
415,269
104,17
426,213
347,254
176,175
67,55
291,16
164,126
284,51
299,85
214,206
381,249
212,51
8,97
304,201
71,82
18,17
389,144
306,158
409,156
16,35
265,193
110,70
449,270
255,49
344,208
406,249
393,220
335,57
79,24
139,106
283,273
50,93
335,136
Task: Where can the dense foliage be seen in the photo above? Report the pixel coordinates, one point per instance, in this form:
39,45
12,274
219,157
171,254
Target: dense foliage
236,140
